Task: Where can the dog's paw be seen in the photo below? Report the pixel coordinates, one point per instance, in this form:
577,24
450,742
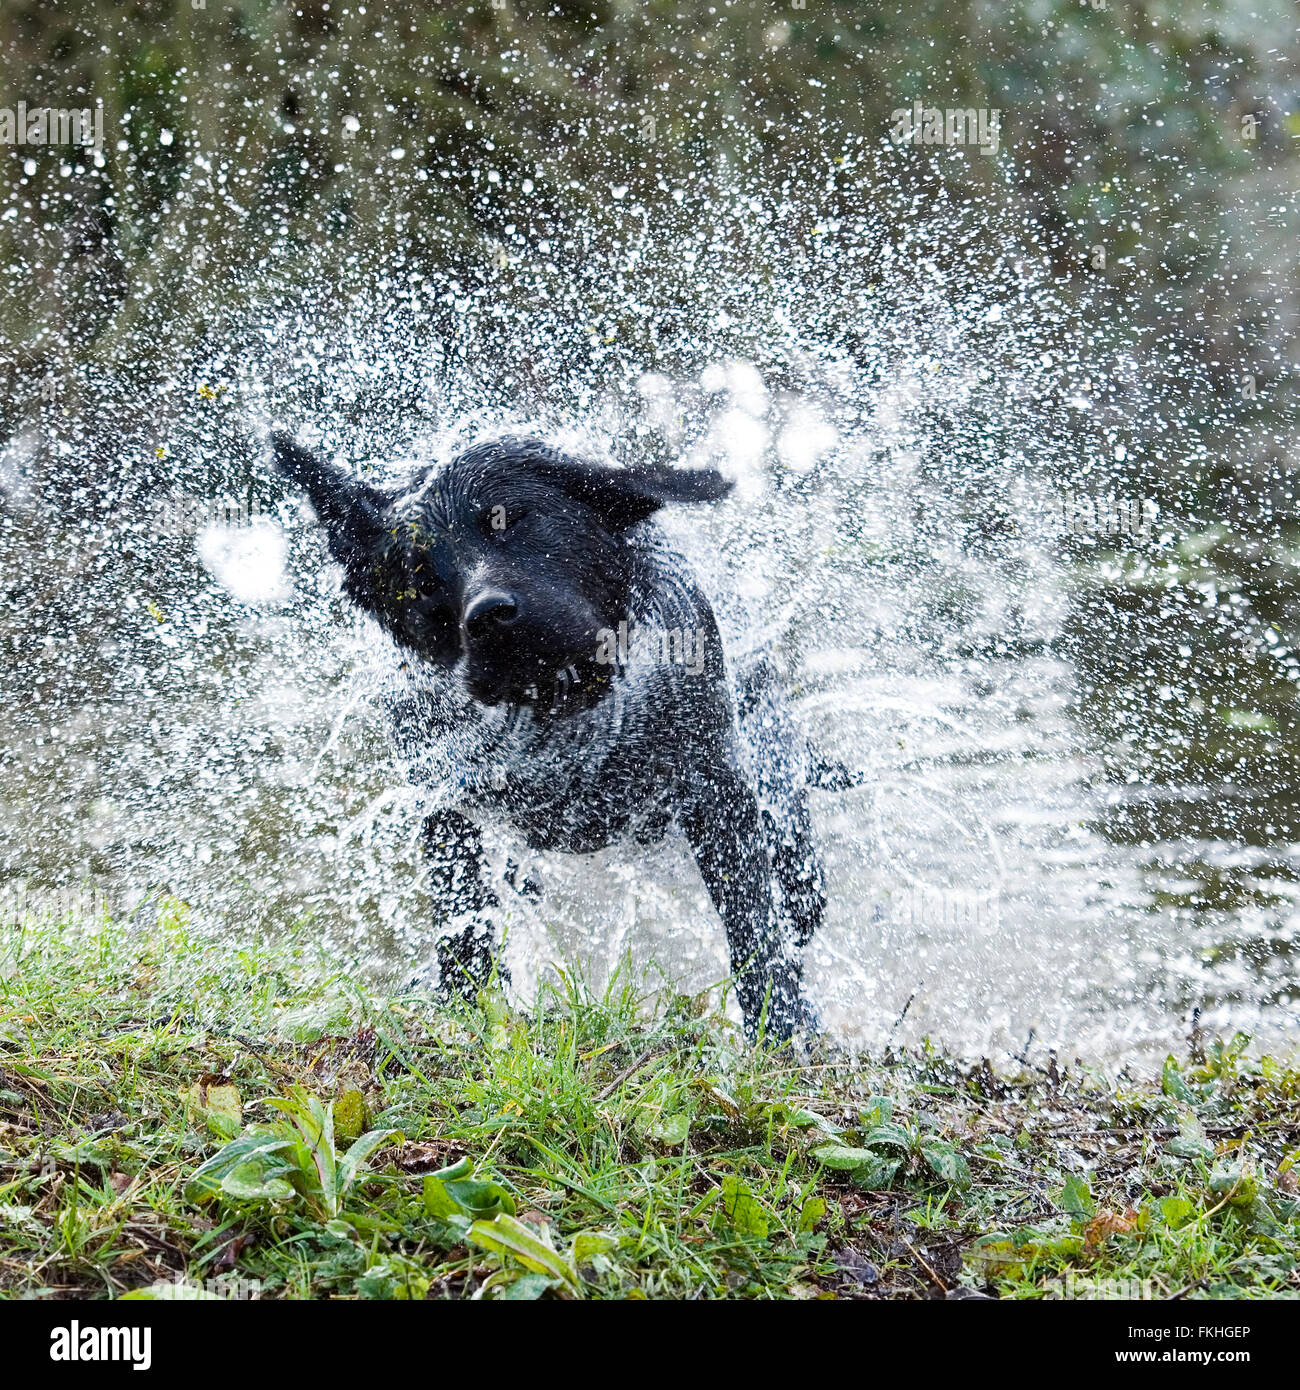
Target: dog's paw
807,1019
466,959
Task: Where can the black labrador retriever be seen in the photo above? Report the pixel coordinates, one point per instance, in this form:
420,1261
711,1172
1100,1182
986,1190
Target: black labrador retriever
564,671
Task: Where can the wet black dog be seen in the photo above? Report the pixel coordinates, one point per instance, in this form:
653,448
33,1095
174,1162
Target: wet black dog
564,671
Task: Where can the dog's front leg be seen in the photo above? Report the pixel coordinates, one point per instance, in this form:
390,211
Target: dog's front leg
466,946
725,831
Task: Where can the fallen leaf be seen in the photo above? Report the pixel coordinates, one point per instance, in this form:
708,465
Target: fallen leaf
425,1158
231,1251
215,1102
1106,1224
106,1122
854,1266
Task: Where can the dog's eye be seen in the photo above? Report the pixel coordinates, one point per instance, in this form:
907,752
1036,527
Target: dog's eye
409,587
497,519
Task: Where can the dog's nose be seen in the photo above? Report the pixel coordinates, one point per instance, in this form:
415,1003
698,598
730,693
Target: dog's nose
489,611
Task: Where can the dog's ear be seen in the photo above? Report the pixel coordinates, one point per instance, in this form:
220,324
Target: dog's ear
624,496
350,511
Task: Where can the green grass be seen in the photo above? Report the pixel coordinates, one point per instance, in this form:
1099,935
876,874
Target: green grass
174,1109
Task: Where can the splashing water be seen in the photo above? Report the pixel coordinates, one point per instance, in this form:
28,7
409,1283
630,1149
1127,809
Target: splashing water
916,418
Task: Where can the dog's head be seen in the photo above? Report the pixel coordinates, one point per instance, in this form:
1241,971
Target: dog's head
511,559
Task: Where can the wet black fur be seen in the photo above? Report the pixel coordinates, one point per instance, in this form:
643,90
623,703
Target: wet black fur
498,574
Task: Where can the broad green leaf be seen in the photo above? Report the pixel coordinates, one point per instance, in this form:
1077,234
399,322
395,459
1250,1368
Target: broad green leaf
588,1244
395,1278
482,1198
87,1154
811,1213
1076,1197
505,1235
841,1157
250,1183
893,1135
313,1153
438,1201
671,1130
351,1162
743,1211
1236,1183
528,1287
349,1112
878,1110
465,1197
462,1168
1172,1083
320,1135
257,1142
948,1164
1176,1211
1191,1141
1261,1216
367,1222
878,1174
808,1119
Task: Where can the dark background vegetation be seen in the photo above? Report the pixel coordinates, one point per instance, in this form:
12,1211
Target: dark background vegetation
1122,126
